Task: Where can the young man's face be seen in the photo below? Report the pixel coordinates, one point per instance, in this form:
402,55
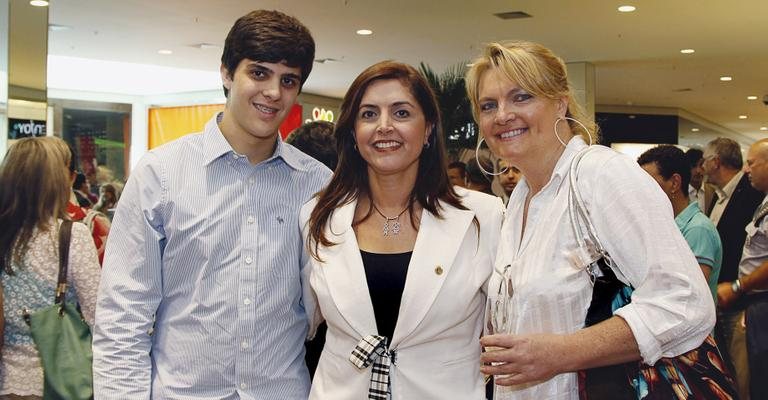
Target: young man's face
261,95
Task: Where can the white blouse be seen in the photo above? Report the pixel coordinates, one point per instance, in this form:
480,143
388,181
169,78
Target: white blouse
671,310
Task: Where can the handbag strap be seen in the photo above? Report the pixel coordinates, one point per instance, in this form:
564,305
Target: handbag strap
581,222
65,234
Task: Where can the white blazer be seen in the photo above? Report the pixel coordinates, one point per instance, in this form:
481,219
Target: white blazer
436,338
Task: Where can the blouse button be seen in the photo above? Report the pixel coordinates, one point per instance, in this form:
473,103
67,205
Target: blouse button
439,270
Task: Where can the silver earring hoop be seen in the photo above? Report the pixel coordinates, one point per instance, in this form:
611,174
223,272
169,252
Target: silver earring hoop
574,120
479,165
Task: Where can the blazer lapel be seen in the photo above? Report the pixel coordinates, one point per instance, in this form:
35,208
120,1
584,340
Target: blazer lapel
344,273
437,244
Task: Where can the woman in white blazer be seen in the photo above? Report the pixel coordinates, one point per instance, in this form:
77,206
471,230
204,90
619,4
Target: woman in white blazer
397,259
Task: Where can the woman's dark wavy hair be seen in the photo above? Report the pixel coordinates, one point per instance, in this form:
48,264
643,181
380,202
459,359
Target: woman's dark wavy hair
350,180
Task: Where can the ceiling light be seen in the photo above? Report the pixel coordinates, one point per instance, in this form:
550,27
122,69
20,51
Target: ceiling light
206,46
687,51
39,3
751,97
694,129
626,9
764,128
364,32
57,28
726,78
742,117
165,52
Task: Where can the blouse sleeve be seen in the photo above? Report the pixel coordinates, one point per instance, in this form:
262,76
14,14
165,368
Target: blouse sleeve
84,270
671,310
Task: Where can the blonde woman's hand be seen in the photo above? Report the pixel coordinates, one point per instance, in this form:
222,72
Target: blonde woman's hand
521,359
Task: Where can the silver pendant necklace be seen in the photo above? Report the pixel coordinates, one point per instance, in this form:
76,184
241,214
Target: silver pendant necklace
394,229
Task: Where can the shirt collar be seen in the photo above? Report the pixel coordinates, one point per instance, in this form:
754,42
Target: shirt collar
563,165
727,190
686,215
216,145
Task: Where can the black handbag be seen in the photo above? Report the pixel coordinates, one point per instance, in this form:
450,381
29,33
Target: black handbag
697,374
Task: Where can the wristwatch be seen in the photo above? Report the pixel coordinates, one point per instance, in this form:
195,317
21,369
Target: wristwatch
736,286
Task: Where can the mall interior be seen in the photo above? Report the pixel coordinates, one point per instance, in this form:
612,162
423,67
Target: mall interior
115,79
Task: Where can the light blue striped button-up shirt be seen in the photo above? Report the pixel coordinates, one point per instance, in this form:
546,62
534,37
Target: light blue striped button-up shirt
208,246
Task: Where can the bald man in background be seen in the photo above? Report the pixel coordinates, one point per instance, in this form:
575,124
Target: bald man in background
751,287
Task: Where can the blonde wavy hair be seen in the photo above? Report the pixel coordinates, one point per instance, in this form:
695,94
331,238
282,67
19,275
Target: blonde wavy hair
537,70
35,182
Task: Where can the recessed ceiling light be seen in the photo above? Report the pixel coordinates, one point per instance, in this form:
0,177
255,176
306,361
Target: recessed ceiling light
764,128
627,8
751,97
687,51
726,78
165,52
742,117
206,46
694,129
364,32
58,28
39,3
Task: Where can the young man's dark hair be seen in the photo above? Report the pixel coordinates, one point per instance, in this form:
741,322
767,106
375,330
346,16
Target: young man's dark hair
670,160
693,156
269,36
316,140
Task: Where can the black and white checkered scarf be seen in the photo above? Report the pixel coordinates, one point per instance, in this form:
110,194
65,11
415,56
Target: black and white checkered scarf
373,349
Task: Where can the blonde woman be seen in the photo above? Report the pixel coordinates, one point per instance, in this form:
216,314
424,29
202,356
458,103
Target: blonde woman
527,114
35,181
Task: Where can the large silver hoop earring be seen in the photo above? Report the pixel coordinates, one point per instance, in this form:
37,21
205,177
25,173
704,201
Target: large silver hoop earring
477,160
574,120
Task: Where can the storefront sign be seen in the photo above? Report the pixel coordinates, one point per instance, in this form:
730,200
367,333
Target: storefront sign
321,114
21,128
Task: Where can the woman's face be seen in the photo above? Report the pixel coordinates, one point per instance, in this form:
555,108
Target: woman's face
517,125
390,128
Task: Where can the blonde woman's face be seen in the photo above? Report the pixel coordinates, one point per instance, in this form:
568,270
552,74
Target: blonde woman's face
516,124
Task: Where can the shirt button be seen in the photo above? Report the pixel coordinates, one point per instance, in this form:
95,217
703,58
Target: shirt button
248,260
251,219
247,302
250,180
244,345
242,386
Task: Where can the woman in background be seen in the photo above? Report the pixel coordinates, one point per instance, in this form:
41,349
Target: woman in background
399,257
36,172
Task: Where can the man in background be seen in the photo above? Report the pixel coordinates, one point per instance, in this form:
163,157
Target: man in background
731,209
750,291
457,173
509,176
695,158
316,140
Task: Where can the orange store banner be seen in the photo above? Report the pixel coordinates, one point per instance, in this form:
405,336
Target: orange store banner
169,123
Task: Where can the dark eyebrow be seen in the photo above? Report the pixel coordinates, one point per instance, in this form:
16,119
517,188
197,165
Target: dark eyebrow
292,76
401,103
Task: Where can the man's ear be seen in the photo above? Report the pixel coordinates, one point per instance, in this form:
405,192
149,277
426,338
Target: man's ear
226,77
677,182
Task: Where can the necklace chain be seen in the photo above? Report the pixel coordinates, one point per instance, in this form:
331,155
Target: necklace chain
395,228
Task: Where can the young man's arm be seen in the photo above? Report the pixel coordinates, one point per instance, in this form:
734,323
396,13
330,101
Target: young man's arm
131,288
